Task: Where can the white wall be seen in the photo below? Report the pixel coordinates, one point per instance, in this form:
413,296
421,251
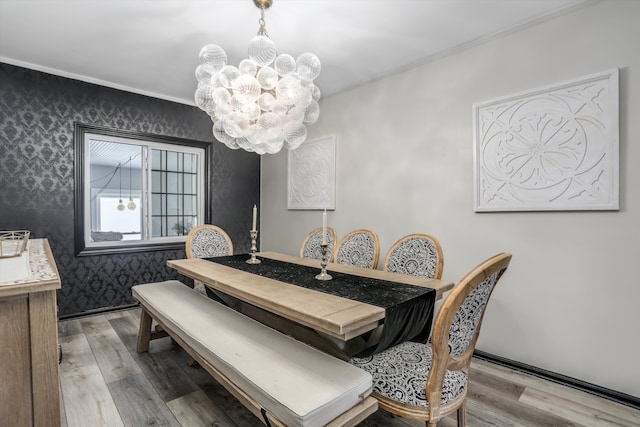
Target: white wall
570,302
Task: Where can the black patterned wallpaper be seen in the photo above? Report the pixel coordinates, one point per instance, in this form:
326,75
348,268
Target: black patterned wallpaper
37,112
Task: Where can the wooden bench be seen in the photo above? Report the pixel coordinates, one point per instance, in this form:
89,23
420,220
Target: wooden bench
282,381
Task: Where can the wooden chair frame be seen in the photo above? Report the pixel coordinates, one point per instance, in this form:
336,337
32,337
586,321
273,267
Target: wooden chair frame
194,231
191,236
434,242
347,237
330,230
442,358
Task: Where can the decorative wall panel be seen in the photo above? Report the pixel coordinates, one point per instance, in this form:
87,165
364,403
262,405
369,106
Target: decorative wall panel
312,175
553,148
37,112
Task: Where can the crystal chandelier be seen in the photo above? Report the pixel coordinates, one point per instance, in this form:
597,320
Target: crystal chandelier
266,102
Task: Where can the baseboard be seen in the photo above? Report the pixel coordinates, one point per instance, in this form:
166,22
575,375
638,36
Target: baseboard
596,390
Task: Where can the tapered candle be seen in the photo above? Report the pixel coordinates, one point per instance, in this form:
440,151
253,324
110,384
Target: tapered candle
324,227
255,217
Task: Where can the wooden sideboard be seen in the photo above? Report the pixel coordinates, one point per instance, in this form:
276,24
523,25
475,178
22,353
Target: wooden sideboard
29,379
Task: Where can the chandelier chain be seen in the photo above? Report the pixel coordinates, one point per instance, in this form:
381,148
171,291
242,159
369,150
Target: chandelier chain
262,31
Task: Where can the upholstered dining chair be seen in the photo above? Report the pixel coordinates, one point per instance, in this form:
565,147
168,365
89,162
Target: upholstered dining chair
429,381
311,244
416,255
360,248
207,241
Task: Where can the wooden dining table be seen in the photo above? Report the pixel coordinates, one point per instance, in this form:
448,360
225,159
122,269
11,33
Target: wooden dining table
319,318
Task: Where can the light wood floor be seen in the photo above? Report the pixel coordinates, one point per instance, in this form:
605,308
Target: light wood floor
106,383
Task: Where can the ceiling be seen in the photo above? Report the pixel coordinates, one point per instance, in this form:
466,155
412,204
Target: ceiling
151,46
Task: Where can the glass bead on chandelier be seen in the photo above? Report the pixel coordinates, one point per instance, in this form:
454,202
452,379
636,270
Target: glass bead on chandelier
266,102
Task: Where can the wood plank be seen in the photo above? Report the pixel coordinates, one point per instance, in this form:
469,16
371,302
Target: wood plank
356,414
219,395
139,404
69,327
63,414
382,418
127,329
477,416
196,409
159,364
134,313
559,390
44,357
117,314
113,358
508,389
481,416
583,415
15,356
87,400
514,410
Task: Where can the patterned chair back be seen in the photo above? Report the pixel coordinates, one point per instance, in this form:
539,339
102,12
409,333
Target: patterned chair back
359,248
311,245
468,317
416,255
207,241
458,322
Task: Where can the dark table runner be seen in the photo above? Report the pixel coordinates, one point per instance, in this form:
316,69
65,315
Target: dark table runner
408,308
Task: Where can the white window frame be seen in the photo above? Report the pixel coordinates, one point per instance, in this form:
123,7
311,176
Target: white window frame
86,133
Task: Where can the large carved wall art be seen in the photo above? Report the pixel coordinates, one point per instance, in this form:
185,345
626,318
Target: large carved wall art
549,149
312,175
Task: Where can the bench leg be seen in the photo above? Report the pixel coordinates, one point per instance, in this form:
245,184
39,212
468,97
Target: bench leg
144,333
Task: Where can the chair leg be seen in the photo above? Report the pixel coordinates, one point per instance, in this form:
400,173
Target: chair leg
462,414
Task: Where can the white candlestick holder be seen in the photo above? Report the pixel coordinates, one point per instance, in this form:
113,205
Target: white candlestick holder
323,264
254,237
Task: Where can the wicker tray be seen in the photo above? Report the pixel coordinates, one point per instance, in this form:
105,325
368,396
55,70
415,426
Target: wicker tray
13,243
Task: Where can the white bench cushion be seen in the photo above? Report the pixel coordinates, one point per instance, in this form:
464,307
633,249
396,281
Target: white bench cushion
299,384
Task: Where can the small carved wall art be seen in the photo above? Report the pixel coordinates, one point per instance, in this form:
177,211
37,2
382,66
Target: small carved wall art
312,175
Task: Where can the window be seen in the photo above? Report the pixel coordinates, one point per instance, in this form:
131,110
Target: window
137,191
174,192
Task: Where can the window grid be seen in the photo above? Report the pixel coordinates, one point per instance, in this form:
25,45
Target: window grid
174,193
